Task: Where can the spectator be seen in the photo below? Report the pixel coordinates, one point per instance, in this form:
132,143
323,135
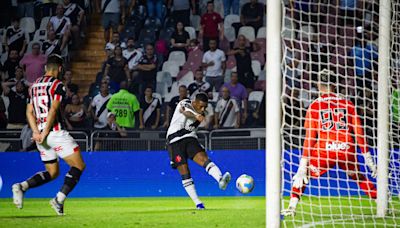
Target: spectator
149,114
113,14
239,93
243,63
95,86
6,102
25,8
252,14
110,46
34,63
3,111
199,86
98,107
17,107
365,57
211,27
75,114
10,64
214,64
114,130
117,69
124,105
181,10
51,45
228,4
76,15
180,39
68,96
148,69
61,25
68,82
154,9
19,76
132,55
173,103
227,111
16,38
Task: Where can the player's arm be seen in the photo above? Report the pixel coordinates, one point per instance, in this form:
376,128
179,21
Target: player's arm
189,112
55,105
361,141
32,122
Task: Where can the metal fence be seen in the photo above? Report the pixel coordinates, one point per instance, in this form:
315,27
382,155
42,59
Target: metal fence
221,139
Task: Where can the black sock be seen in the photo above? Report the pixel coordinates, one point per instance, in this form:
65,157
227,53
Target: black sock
70,181
38,179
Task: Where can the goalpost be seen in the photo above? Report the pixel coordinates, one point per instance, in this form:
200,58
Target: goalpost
361,44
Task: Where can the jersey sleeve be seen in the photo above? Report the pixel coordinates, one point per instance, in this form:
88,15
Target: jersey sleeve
311,126
59,92
110,104
135,104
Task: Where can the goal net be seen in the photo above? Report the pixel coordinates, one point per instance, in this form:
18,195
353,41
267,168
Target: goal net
341,36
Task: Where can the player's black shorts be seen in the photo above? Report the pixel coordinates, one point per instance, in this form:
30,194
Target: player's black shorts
182,150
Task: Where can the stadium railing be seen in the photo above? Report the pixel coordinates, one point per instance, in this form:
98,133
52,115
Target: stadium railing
237,139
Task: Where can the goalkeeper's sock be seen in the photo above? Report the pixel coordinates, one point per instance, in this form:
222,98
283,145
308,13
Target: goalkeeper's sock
36,180
293,202
366,185
188,184
213,170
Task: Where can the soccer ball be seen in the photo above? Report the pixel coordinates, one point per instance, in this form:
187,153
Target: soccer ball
245,183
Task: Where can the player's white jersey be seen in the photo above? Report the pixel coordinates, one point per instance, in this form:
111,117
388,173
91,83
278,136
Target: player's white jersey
181,126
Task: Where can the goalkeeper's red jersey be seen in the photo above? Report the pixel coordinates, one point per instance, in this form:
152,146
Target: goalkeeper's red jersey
331,126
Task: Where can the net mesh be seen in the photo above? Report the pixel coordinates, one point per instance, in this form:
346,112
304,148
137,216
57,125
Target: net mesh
341,36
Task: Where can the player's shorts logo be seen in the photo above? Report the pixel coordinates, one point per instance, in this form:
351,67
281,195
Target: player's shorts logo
58,148
334,146
178,159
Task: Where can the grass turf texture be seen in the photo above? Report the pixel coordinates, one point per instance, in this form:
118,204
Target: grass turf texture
137,212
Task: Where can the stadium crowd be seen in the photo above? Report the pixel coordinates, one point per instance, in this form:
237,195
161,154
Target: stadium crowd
158,53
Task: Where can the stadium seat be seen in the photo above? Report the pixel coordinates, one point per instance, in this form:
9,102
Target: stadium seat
191,31
230,19
187,79
29,48
152,23
261,32
158,96
256,66
255,99
194,60
169,23
169,96
147,36
195,22
231,62
171,67
178,57
166,34
307,32
174,89
262,75
227,76
230,34
224,45
44,22
248,32
40,35
28,24
164,81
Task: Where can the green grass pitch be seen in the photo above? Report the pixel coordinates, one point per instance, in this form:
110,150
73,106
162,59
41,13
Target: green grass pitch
137,212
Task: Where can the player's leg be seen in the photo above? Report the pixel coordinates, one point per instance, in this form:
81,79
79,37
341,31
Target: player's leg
198,154
178,158
351,168
212,169
49,158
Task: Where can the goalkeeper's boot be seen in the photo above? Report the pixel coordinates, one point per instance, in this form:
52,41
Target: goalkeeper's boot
291,211
223,183
200,206
58,207
18,195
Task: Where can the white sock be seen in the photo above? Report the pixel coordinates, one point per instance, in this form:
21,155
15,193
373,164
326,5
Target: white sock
213,170
24,185
61,197
191,190
293,202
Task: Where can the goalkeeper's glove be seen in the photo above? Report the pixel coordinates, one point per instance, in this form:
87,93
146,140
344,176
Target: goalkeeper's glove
301,176
369,160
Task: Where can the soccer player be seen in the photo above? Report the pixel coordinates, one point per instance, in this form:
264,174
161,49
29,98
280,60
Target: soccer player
44,117
331,120
183,144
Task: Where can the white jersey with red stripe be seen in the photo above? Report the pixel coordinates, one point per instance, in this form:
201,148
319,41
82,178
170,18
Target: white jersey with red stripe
43,92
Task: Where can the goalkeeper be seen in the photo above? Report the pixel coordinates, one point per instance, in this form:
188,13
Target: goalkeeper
331,122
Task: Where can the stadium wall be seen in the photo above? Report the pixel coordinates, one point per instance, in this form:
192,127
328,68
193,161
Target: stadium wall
134,174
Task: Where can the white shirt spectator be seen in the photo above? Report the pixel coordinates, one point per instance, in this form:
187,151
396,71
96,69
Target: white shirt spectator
112,7
217,57
133,57
56,22
97,103
227,111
